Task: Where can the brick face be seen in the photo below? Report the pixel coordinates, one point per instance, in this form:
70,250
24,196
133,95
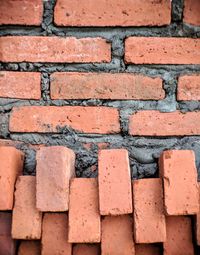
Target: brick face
191,12
29,248
188,87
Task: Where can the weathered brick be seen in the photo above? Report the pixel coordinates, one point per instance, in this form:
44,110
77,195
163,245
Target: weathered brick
29,248
114,178
21,12
23,85
27,220
86,249
55,234
181,194
147,249
117,236
45,49
105,86
191,12
149,218
197,227
84,216
188,87
127,13
179,236
157,50
11,166
55,167
98,120
155,123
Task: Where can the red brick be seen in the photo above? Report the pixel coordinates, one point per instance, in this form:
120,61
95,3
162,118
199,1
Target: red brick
179,236
86,249
115,194
11,166
29,248
84,216
47,119
188,87
155,123
45,49
22,85
54,235
105,86
127,13
198,221
117,236
55,167
181,194
191,12
147,249
27,220
149,218
157,50
21,12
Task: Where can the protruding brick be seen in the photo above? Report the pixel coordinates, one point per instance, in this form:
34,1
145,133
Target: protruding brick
55,167
86,249
27,220
149,218
47,119
181,194
115,194
45,49
21,12
155,123
29,248
105,86
147,249
11,166
117,236
197,227
189,87
55,234
157,50
179,236
191,12
21,85
84,216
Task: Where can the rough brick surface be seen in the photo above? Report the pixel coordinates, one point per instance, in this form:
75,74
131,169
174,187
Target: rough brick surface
86,249
191,12
29,248
105,86
10,167
198,221
55,168
115,196
181,194
189,87
117,237
21,12
55,234
156,50
155,123
45,49
127,13
98,120
147,249
179,236
20,85
149,218
27,220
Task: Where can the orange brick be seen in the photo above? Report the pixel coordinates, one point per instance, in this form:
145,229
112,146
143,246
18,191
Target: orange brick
29,248
155,123
198,221
21,12
11,166
55,168
115,194
191,12
157,50
117,237
181,194
149,218
84,216
147,249
127,13
45,49
20,85
54,235
86,249
50,119
188,87
179,236
105,86
26,222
